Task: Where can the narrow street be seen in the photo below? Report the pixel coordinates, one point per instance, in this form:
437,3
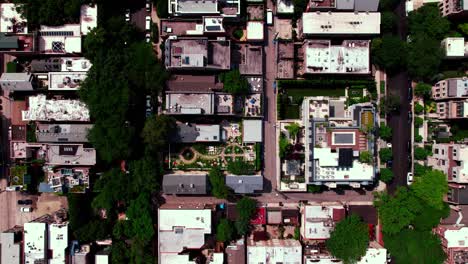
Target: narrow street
398,86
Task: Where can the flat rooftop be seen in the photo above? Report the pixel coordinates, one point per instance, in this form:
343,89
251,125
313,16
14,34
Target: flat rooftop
255,30
88,18
352,56
75,133
57,64
194,103
455,47
66,81
12,21
250,59
60,40
285,7
285,60
70,154
191,133
35,242
58,242
318,221
43,109
179,27
193,7
342,23
193,83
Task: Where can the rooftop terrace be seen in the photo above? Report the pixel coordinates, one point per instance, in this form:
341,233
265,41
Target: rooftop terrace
70,155
43,109
66,81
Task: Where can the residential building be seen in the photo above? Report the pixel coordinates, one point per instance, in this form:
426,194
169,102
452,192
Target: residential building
343,5
60,64
187,83
181,229
285,60
453,7
283,214
375,254
452,159
250,61
60,39
16,82
284,7
452,109
194,8
255,31
70,154
11,21
245,184
192,133
454,241
10,246
62,133
57,243
286,251
335,136
319,220
452,88
197,54
64,179
43,109
455,47
210,25
200,103
88,18
340,23
235,252
457,194
252,131
35,242
351,57
185,184
411,5
102,257
81,255
66,81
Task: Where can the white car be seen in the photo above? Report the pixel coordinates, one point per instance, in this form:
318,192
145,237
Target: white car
13,188
148,6
409,178
148,23
148,37
127,15
26,209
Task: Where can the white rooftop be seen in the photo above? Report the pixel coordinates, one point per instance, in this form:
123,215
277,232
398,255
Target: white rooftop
457,238
170,258
58,242
75,64
342,23
88,18
34,242
60,39
255,30
285,6
193,7
66,81
327,167
350,57
455,47
317,221
286,251
184,228
42,109
10,251
11,21
373,256
252,130
70,154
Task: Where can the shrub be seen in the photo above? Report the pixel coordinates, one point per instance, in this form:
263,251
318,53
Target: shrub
418,108
240,167
386,175
238,33
418,121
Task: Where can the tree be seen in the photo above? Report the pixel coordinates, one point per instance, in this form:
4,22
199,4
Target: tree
385,132
388,22
419,247
463,28
420,153
218,185
224,231
431,188
119,252
428,21
423,90
424,57
430,217
386,175
112,187
390,53
390,104
234,82
397,212
293,130
349,240
418,138
246,209
365,157
420,170
418,121
157,131
385,154
388,5
140,216
145,174
94,230
161,8
418,108
50,12
284,146
240,167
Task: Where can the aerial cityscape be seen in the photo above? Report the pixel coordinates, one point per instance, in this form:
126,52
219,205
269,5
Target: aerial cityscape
234,131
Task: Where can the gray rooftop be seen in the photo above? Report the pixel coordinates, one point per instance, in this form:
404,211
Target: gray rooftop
245,183
191,133
344,138
293,167
75,133
184,184
459,195
252,130
17,81
10,251
366,5
190,104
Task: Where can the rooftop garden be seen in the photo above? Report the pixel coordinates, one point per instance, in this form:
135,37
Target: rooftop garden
17,174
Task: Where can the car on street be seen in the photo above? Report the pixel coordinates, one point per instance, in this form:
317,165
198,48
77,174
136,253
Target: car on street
410,117
410,91
25,202
148,6
409,178
148,23
26,209
148,37
269,17
13,188
149,107
390,164
409,146
127,15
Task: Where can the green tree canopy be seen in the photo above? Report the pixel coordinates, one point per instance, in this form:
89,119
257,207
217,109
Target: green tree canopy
224,230
234,82
50,12
430,217
428,21
420,170
240,167
388,22
112,187
386,175
418,121
293,130
463,28
397,212
139,214
420,153
390,53
385,132
157,131
423,90
349,240
431,188
415,247
94,230
385,154
218,185
365,157
246,209
424,57
418,108
390,104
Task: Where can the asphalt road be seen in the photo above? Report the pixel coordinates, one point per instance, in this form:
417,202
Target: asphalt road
398,85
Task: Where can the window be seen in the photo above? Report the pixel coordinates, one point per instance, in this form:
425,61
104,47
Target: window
436,151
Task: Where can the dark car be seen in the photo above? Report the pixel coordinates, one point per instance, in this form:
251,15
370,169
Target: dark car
410,117
410,90
409,146
390,164
25,202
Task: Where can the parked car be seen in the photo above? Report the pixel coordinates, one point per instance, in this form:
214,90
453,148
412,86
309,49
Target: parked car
148,37
390,164
25,202
26,209
409,178
410,92
149,107
127,15
148,6
148,23
13,188
410,117
269,17
409,146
